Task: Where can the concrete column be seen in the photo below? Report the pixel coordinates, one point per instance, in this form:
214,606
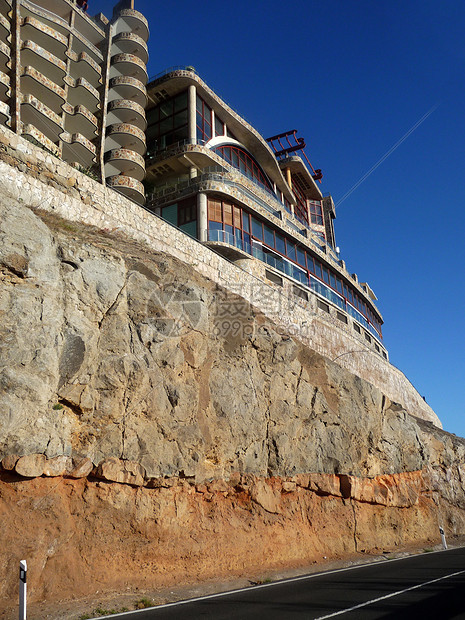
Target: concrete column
202,222
192,110
288,177
213,124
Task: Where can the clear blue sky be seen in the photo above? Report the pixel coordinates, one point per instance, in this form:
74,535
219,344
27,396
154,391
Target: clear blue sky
354,76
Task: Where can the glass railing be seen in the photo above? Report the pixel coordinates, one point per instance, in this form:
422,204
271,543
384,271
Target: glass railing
293,271
223,236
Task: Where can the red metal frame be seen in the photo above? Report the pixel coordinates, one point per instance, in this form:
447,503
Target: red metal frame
299,145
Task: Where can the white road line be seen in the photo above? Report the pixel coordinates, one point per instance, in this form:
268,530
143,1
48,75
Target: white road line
382,598
262,585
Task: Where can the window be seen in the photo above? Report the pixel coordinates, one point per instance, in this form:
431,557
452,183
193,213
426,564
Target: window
219,127
316,212
300,209
341,317
357,328
269,236
167,123
244,162
301,256
273,278
280,244
299,292
204,120
322,305
257,229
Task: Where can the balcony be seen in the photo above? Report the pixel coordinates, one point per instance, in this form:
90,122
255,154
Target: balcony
130,43
123,135
82,92
42,60
5,28
127,186
34,112
126,111
5,115
78,119
124,161
33,82
30,130
78,149
125,87
45,36
4,86
5,53
230,247
128,65
54,21
86,67
130,20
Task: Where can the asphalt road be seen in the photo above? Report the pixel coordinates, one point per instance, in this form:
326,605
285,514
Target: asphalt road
430,585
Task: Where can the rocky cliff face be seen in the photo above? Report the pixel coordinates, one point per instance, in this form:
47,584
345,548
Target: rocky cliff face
196,414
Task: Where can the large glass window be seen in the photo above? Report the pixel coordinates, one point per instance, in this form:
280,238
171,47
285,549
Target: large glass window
183,215
244,162
204,120
229,223
300,209
167,123
316,212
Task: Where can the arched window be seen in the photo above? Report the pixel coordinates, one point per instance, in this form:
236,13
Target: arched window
243,161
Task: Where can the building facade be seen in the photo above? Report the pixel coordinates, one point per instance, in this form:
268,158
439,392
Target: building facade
212,175
76,85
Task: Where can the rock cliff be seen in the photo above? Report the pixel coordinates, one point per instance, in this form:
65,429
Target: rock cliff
146,410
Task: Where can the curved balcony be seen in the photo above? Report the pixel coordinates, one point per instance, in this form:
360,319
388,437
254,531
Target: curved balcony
5,116
81,44
5,6
124,161
5,27
5,53
56,22
128,187
34,112
45,36
82,92
130,43
78,149
45,90
125,87
130,20
42,60
4,86
125,111
123,135
78,119
30,130
128,65
86,67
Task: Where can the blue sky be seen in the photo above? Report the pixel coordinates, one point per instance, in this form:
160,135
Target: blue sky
353,77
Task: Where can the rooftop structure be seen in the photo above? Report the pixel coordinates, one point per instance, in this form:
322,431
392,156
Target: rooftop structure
75,84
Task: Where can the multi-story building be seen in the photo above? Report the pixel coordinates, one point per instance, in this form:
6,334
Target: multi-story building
76,85
256,201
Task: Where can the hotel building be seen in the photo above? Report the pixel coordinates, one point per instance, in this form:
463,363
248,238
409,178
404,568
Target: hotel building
255,201
77,86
